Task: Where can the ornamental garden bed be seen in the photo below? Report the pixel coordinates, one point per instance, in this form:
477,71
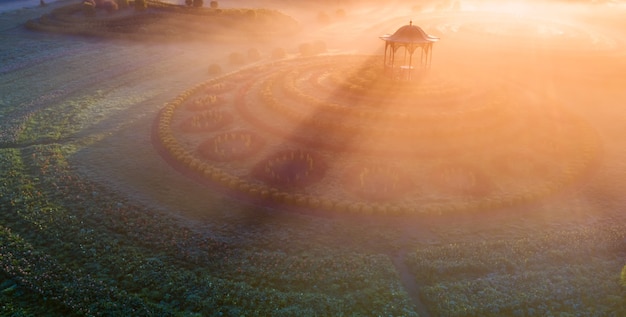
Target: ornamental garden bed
327,151
94,223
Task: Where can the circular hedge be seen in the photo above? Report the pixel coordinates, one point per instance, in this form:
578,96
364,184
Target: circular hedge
377,182
230,146
204,121
321,133
291,169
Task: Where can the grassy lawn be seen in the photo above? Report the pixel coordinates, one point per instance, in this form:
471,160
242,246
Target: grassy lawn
96,220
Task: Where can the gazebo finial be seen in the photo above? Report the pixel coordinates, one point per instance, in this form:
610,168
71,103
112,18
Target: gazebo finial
410,22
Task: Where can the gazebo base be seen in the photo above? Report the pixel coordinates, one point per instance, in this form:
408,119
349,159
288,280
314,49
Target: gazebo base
403,72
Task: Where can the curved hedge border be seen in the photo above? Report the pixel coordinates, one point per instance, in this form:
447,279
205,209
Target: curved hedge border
474,199
377,182
290,169
231,146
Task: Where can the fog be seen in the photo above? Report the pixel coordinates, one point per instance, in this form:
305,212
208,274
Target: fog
569,53
544,55
562,59
238,161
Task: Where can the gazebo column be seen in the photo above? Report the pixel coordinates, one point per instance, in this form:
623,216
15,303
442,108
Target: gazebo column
385,57
429,55
393,56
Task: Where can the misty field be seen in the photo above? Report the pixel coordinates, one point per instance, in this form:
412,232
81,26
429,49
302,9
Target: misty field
255,159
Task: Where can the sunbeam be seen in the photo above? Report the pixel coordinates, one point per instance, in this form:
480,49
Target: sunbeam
312,158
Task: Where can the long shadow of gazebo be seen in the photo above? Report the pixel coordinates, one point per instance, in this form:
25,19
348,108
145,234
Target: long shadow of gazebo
410,37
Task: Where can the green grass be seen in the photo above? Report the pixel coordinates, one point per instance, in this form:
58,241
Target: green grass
568,273
85,250
72,245
90,252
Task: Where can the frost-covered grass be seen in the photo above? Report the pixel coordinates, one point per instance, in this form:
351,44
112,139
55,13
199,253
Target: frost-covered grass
90,251
570,272
75,245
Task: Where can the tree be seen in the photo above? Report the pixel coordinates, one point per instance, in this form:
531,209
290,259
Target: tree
122,4
141,5
89,8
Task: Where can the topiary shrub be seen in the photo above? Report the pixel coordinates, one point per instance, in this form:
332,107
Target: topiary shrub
251,14
306,49
188,3
340,13
109,5
215,69
236,59
213,4
254,55
319,47
310,49
322,17
279,53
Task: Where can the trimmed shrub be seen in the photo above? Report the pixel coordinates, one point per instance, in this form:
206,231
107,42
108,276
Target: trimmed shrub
213,4
215,69
189,3
310,49
306,49
109,5
236,58
251,14
279,53
319,47
254,55
322,17
198,3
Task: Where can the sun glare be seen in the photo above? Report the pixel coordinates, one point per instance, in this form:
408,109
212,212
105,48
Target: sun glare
515,8
313,158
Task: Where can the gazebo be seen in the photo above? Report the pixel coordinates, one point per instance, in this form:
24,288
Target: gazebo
410,37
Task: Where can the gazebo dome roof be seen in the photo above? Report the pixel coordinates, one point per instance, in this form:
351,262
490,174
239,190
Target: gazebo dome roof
410,34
